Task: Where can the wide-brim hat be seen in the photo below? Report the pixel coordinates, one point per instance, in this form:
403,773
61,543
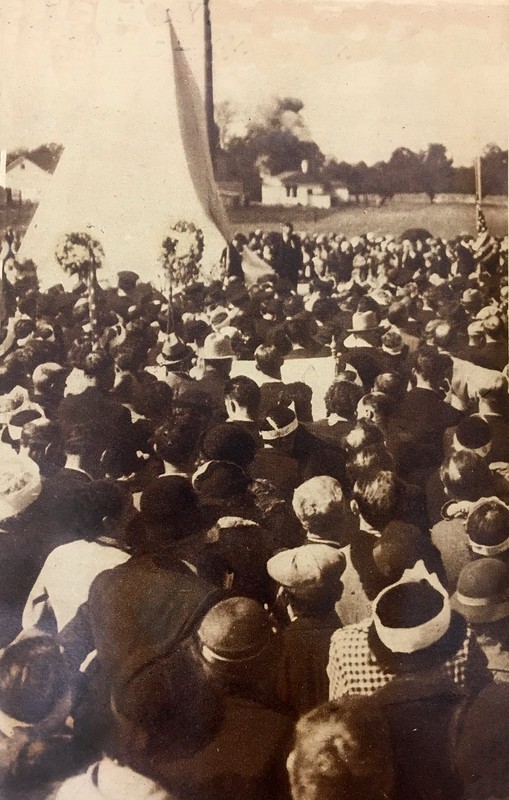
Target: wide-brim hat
29,483
173,351
363,321
220,318
216,347
482,593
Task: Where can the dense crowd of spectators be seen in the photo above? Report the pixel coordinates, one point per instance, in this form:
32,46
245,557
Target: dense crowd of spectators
207,592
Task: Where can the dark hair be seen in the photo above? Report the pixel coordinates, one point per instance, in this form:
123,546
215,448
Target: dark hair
220,365
153,400
381,404
369,461
407,605
431,365
292,305
176,441
397,314
268,358
325,309
363,435
171,700
342,751
341,398
93,363
23,328
33,677
316,601
44,441
96,501
80,439
488,523
377,497
245,392
367,303
229,441
280,340
391,384
127,357
466,476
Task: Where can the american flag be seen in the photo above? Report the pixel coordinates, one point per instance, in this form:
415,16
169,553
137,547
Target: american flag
480,219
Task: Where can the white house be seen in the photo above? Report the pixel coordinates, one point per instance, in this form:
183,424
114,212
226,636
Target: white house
302,188
25,178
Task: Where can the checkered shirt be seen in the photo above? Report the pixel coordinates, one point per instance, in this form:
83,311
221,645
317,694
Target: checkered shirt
353,669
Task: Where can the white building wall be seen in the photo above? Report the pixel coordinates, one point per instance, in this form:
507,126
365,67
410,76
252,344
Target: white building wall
342,193
29,179
274,195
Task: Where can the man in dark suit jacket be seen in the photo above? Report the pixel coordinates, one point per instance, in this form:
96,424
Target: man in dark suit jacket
288,255
419,423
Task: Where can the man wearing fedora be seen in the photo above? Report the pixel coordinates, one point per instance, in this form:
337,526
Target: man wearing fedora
363,353
215,360
175,360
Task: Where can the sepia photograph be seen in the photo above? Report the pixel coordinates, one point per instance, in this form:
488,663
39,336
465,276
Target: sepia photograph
254,400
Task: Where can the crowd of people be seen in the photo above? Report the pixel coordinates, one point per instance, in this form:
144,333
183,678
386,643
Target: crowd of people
207,591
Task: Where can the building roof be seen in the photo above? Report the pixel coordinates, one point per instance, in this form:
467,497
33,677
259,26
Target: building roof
19,160
302,178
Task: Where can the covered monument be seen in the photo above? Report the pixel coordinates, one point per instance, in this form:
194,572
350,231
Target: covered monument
137,160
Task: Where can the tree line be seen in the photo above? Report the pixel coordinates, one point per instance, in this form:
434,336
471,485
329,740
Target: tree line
277,140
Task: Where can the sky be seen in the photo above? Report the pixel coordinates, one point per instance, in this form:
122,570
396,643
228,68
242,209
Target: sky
372,76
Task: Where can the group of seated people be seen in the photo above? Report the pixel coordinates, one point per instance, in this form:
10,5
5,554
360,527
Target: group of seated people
208,591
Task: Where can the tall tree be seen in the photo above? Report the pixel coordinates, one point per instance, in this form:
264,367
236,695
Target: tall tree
494,170
436,170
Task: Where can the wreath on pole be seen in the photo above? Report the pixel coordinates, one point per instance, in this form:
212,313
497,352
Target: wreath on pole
82,255
180,260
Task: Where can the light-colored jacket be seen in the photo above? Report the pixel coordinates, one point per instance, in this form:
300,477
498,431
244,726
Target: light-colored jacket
65,579
108,780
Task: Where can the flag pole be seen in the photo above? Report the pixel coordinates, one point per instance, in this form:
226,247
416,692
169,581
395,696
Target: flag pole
91,296
478,184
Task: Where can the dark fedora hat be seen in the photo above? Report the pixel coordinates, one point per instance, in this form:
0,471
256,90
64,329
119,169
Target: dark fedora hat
174,351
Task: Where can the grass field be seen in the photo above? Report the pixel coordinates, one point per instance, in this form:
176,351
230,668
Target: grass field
444,219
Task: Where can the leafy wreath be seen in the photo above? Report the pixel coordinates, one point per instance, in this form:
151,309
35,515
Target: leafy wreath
78,253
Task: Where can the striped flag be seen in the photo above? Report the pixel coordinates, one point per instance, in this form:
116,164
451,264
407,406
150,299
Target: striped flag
480,219
92,299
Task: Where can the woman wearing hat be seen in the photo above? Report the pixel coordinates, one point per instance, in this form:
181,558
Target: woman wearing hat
482,598
215,360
